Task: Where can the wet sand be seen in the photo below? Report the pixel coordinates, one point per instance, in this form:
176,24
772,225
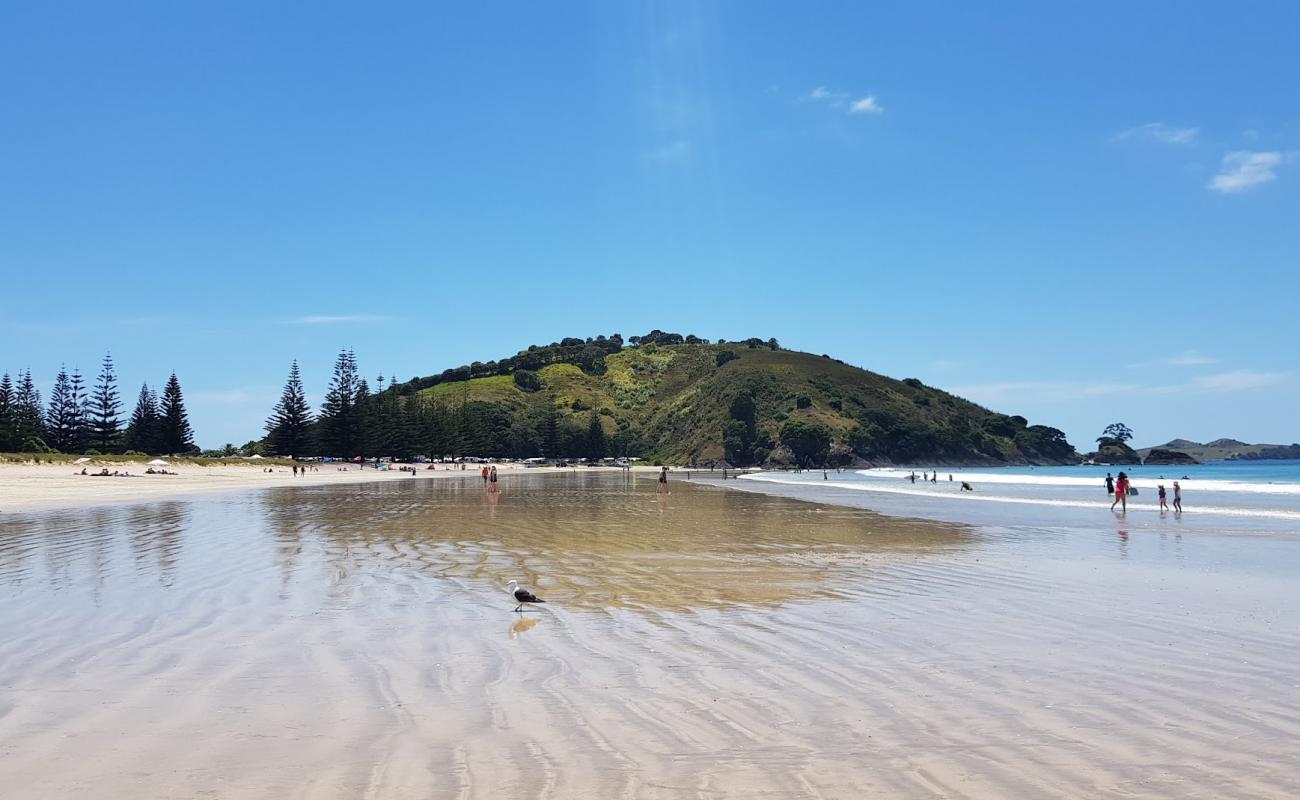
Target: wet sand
354,641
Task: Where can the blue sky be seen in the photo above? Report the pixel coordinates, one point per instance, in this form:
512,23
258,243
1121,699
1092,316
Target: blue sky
1078,213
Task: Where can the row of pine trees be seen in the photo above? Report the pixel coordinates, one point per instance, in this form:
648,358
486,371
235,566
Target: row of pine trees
354,421
79,419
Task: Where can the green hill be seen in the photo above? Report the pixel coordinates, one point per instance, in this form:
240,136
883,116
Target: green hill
745,403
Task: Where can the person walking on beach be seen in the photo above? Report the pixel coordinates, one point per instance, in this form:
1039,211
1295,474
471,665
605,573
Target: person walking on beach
1121,492
663,480
492,480
1163,505
485,477
1178,498
1110,484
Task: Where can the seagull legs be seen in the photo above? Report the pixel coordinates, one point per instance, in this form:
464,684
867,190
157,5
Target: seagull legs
519,607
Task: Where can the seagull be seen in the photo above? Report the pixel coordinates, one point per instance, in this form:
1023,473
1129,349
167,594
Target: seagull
522,595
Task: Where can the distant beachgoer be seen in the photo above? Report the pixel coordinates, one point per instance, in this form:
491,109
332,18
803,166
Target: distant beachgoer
934,477
663,480
1121,492
1110,484
492,478
1178,498
1161,490
824,475
485,476
912,477
949,477
966,487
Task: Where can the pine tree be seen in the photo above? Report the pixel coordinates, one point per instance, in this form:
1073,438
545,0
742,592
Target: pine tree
595,438
290,423
364,406
339,423
7,413
63,419
29,422
176,434
551,434
77,395
104,405
143,431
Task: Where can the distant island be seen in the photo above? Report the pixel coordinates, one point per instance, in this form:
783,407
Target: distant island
1226,450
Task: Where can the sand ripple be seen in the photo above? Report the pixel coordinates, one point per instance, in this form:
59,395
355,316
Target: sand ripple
354,641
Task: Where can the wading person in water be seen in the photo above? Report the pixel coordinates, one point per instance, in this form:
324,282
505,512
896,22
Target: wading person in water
1121,492
485,477
1110,484
663,480
492,479
1178,498
1163,505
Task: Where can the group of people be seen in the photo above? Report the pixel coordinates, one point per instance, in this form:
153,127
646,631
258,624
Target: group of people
490,479
1121,488
927,477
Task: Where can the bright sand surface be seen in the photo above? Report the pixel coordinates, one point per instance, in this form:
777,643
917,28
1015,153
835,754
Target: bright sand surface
27,487
353,640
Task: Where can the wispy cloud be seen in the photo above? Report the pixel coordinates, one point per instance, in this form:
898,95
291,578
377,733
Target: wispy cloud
866,105
337,319
841,100
1242,169
1240,380
1158,132
1042,391
672,151
1187,358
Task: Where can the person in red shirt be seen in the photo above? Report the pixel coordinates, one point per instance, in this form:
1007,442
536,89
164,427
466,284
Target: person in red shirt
1121,492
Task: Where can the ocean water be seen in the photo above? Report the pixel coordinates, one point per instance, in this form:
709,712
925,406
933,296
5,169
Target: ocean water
1222,495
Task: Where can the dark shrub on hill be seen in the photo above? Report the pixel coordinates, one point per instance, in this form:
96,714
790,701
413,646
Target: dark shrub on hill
527,380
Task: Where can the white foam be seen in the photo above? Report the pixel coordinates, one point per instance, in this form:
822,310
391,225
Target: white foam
880,487
1092,481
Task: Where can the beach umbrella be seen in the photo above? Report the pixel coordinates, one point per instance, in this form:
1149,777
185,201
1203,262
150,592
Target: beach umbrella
157,462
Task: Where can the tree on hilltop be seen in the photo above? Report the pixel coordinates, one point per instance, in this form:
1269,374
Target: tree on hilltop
1116,431
289,427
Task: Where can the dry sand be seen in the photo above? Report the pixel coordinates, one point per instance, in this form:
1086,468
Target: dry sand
29,487
350,641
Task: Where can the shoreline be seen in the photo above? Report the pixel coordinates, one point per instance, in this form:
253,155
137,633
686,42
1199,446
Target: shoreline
27,487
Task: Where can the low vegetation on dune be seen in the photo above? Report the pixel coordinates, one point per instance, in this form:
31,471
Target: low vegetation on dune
683,399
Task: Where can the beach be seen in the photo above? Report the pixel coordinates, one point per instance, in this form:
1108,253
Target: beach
342,640
30,487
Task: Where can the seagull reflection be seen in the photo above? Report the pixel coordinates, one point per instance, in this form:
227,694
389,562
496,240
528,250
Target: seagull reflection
522,625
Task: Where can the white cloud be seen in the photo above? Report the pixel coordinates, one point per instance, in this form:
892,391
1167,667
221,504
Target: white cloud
337,319
866,105
1242,169
1158,132
1044,391
841,100
1190,358
992,394
1187,358
1240,380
